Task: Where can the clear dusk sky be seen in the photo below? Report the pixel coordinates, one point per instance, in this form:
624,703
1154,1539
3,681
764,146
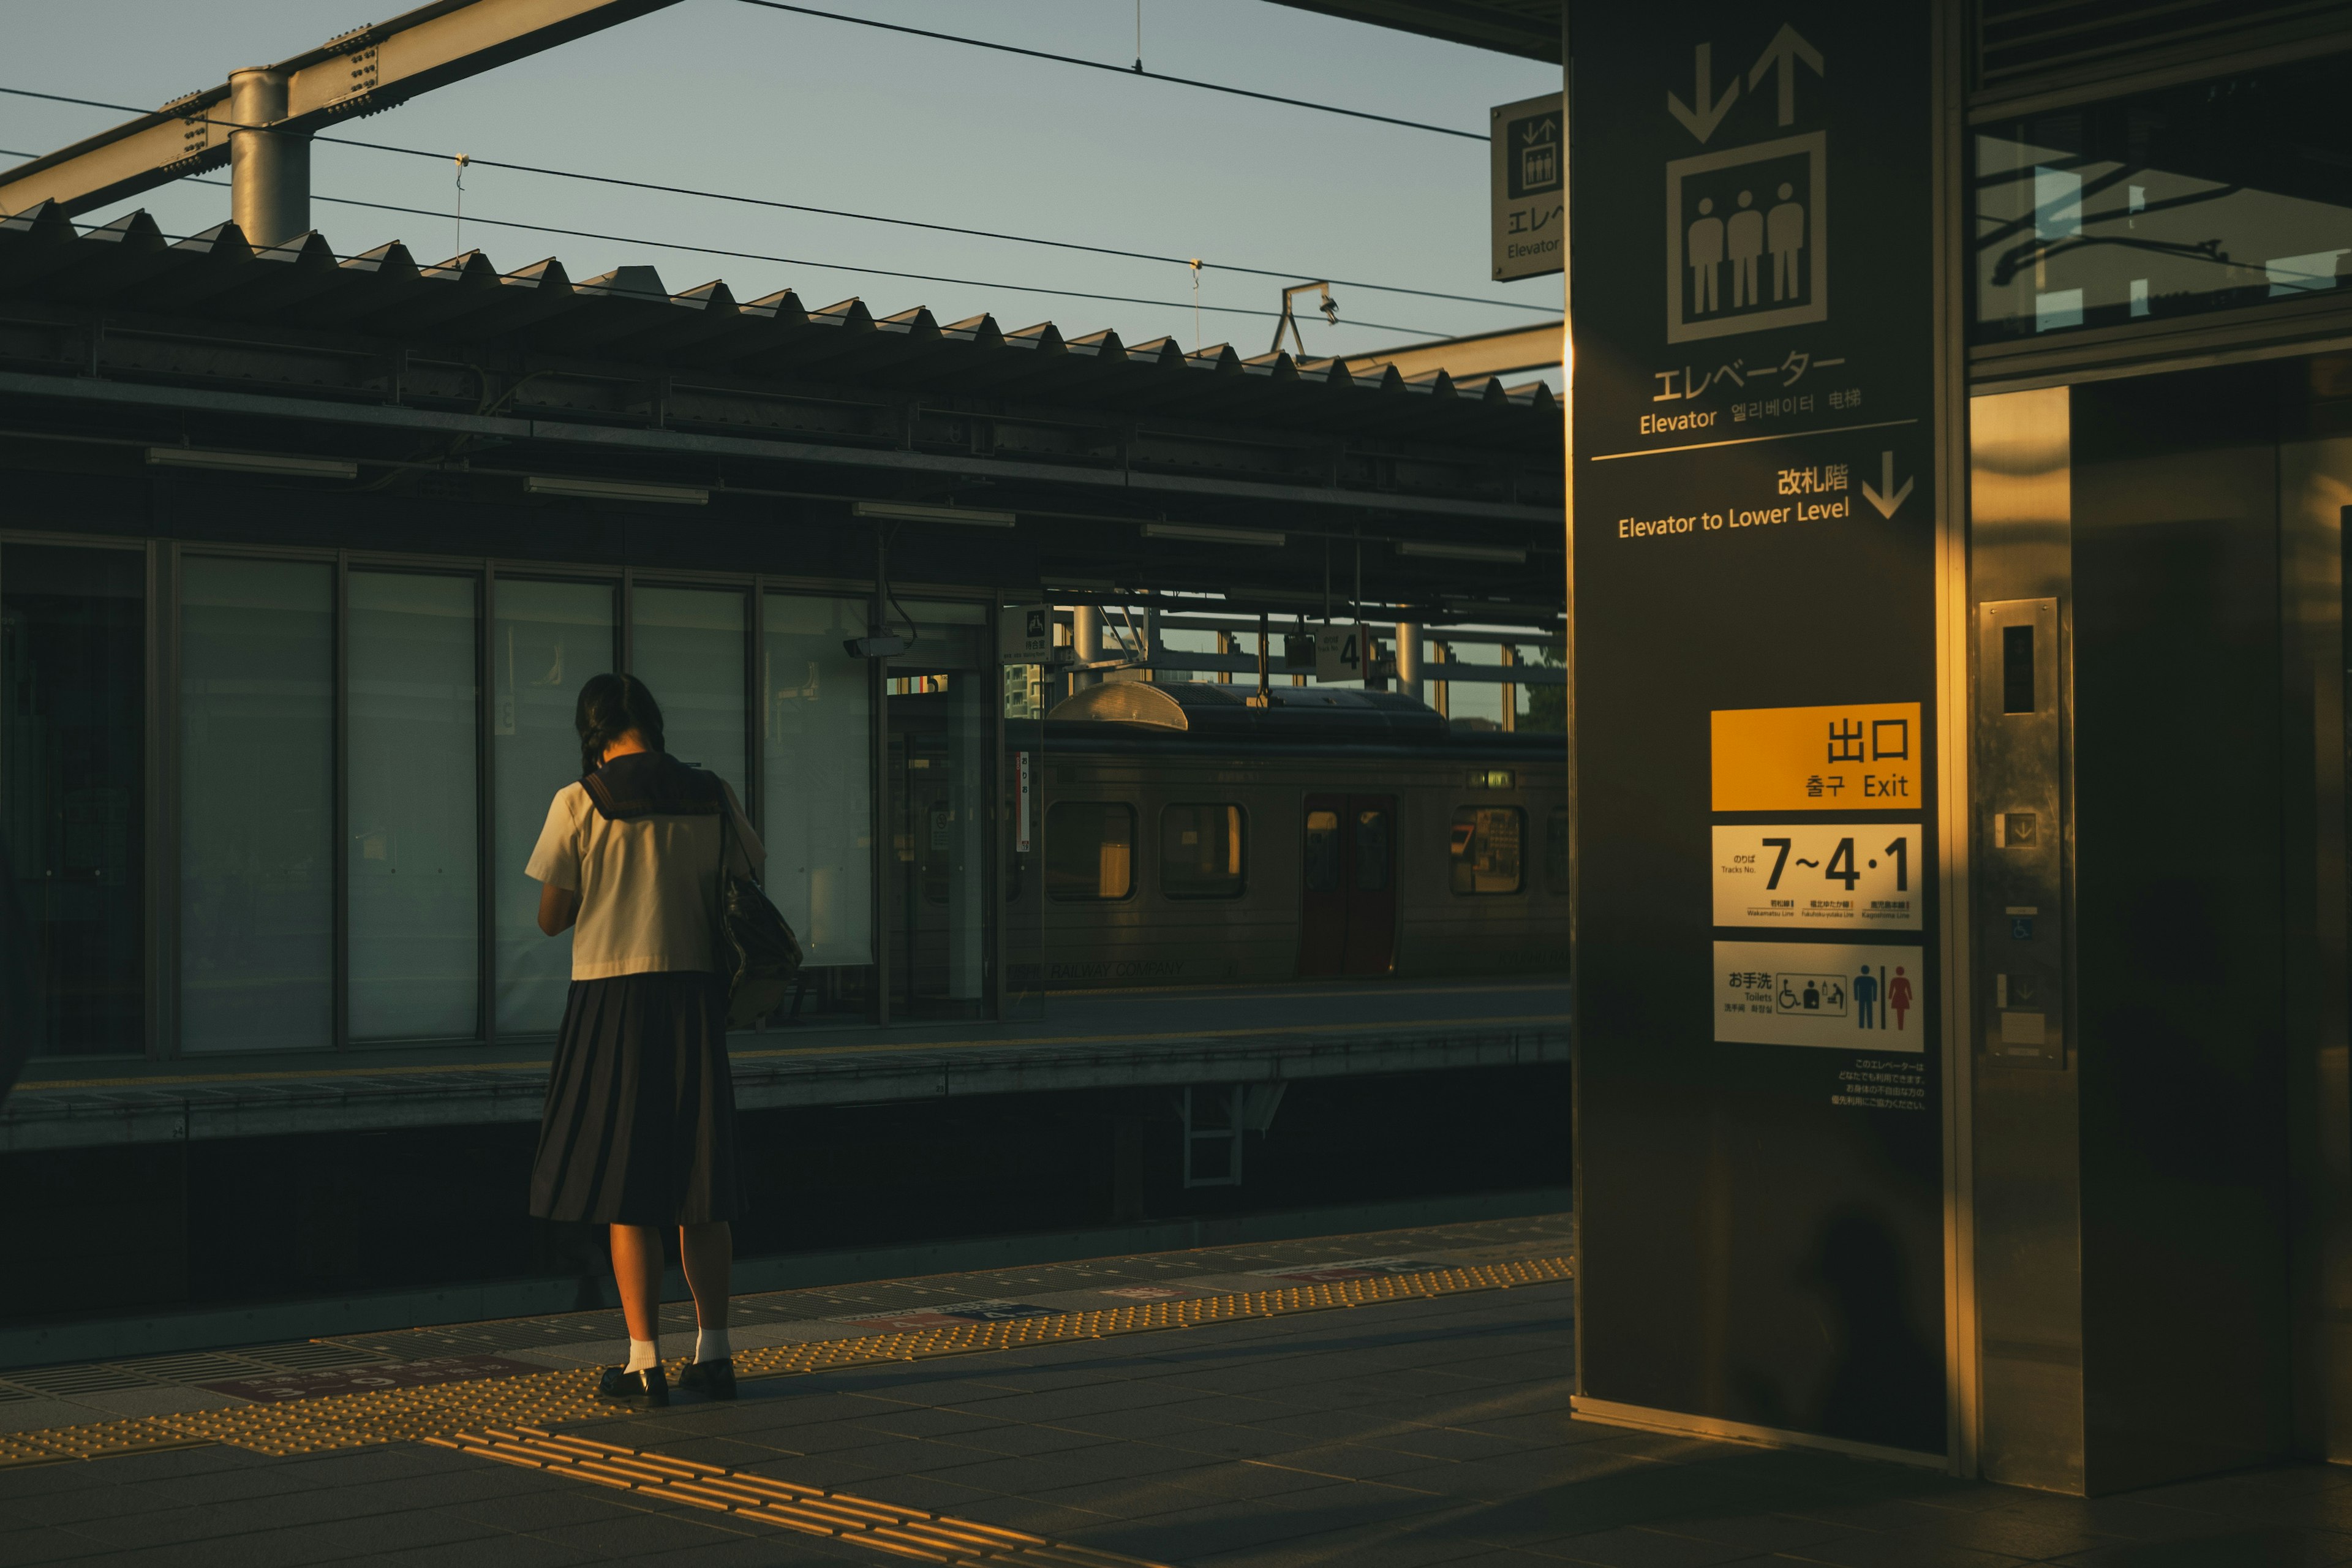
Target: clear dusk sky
724,95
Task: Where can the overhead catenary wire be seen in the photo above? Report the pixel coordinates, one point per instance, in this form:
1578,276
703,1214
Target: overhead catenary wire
824,266
1123,70
666,188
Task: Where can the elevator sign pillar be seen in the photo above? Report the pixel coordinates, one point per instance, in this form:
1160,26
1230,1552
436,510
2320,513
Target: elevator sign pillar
1759,1122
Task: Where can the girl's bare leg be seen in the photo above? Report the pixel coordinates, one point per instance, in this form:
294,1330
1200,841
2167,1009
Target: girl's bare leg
708,1252
637,1269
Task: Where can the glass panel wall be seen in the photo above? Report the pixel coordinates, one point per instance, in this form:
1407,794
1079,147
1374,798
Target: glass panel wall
547,640
2217,194
413,747
73,707
816,742
943,695
687,645
256,812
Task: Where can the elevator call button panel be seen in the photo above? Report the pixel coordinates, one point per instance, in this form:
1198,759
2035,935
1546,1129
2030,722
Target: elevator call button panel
2021,864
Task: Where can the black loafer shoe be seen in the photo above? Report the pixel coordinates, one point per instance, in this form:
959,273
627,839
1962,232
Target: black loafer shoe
711,1378
649,1385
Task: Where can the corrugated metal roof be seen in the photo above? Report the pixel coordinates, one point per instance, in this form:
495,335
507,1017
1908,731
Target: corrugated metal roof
130,266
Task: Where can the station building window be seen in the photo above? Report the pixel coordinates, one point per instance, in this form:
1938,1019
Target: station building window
942,705
1556,852
257,804
1202,852
73,787
546,639
688,646
1486,849
362,753
1089,851
412,840
816,728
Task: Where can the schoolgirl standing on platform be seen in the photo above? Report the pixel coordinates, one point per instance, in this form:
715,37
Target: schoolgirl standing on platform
638,1132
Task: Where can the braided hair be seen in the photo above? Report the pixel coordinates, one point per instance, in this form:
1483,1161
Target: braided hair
611,706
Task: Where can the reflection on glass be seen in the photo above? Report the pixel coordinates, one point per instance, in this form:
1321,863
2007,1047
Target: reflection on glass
1089,851
1371,851
412,746
816,735
1322,851
2223,194
688,647
1485,852
257,823
1200,851
73,646
548,639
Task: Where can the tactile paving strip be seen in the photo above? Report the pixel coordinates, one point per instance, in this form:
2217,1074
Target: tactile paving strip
419,1413
814,1511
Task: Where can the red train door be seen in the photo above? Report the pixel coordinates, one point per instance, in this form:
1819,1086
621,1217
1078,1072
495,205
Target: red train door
1348,897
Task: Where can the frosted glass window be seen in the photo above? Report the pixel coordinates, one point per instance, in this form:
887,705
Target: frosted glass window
256,821
817,745
548,639
688,647
412,742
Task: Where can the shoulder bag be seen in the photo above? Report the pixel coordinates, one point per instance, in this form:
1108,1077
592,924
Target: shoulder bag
758,955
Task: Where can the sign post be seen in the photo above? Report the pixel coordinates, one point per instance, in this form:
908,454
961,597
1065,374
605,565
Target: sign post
1759,1124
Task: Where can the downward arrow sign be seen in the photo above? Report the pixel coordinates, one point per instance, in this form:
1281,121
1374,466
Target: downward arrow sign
1701,121
1786,48
1886,498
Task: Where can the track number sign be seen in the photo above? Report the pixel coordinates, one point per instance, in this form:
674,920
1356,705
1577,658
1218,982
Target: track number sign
1850,874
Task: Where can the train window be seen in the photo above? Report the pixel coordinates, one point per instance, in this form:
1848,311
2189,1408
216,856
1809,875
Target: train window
1371,851
1556,852
1089,851
1200,851
1322,851
1487,848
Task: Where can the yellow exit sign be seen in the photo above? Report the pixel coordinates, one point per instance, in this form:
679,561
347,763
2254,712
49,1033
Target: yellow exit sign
1858,756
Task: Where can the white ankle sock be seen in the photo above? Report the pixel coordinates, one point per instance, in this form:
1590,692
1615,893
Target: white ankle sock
711,1344
642,1353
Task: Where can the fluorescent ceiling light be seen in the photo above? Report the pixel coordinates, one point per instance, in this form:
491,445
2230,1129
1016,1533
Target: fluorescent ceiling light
1432,551
252,463
913,511
1203,533
614,489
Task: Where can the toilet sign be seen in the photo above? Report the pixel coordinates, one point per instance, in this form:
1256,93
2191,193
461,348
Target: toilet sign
1529,209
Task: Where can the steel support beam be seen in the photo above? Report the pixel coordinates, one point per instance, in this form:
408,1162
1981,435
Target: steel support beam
360,72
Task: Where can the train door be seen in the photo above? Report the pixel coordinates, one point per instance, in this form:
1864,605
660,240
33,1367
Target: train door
1347,902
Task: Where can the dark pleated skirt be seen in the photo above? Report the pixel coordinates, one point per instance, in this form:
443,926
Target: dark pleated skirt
639,1127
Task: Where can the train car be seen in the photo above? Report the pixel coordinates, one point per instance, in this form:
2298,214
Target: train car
1192,837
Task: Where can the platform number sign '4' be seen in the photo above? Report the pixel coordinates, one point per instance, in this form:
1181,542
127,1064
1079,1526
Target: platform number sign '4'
1841,867
1340,653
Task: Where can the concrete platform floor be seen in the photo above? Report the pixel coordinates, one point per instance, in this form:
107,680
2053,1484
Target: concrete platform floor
1426,1429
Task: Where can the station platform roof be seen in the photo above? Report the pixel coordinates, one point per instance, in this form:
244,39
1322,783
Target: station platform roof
463,382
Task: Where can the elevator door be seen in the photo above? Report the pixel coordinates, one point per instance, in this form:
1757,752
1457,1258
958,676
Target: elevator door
1348,906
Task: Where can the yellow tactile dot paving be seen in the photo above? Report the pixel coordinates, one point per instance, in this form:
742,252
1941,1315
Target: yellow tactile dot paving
886,1527
553,1398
